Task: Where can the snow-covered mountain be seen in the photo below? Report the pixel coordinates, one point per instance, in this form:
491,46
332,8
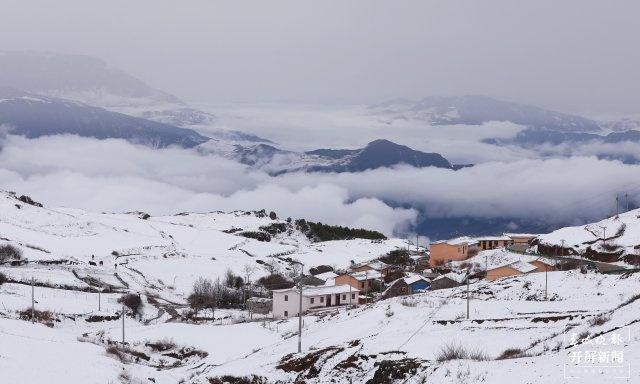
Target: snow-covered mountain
476,110
33,115
376,154
77,77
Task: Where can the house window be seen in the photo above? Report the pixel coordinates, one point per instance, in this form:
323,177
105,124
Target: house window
353,295
286,313
322,299
362,284
286,298
344,297
312,300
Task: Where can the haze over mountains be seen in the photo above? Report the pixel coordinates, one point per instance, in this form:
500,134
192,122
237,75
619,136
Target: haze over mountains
44,95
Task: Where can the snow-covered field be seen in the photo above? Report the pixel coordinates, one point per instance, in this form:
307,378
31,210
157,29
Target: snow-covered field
396,340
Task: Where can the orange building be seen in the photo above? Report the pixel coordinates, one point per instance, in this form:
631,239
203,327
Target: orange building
442,252
359,280
518,268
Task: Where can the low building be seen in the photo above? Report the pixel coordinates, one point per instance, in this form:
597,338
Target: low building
494,242
407,285
363,280
513,269
286,302
522,238
443,252
375,265
261,305
449,280
520,268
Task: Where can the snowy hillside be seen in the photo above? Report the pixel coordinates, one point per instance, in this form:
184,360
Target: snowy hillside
612,239
170,251
72,253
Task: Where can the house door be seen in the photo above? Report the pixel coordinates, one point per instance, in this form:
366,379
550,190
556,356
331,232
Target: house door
328,300
338,299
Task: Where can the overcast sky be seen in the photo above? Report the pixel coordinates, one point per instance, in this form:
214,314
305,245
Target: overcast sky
575,56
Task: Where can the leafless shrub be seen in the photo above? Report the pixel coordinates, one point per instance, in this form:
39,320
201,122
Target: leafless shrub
133,302
512,353
43,317
161,345
455,351
610,247
3,278
599,320
409,303
9,252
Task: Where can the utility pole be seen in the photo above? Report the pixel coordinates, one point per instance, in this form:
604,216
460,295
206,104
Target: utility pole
417,242
300,310
626,199
562,249
604,233
617,200
99,305
33,301
123,313
468,293
546,280
350,277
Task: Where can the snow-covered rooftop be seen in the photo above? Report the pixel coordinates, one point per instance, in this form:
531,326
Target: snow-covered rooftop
309,290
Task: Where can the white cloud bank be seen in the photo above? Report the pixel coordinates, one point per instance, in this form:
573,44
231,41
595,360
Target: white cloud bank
112,175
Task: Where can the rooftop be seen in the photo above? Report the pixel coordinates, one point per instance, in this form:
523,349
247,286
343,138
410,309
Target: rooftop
308,290
457,241
374,264
366,275
326,275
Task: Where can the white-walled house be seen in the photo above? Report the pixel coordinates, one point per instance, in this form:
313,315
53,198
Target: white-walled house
286,302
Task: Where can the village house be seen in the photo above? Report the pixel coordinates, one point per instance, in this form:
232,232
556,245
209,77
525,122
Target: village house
407,285
364,280
443,252
449,280
494,242
286,302
521,238
375,265
519,268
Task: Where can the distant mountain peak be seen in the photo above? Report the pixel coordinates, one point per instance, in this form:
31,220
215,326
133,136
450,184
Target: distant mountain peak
77,77
480,109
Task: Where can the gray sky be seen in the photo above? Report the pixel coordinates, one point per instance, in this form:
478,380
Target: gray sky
576,56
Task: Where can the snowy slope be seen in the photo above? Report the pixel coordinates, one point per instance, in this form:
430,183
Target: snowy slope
169,251
392,341
618,234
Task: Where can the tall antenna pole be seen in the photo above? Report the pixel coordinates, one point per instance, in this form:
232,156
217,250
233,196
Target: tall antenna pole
300,311
123,313
468,293
546,280
626,198
33,301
